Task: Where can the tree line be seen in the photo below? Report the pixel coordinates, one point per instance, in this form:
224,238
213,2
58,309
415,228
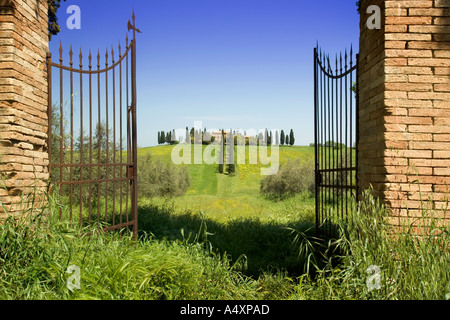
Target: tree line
196,136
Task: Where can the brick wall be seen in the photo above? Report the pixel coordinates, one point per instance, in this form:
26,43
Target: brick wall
23,99
405,105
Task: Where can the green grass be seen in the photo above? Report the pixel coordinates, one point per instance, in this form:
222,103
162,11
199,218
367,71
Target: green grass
265,250
222,197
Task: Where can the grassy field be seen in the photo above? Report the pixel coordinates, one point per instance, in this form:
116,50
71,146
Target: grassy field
223,198
240,221
223,241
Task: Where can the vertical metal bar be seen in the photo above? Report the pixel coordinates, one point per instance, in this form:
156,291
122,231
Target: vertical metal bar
107,137
90,136
121,134
114,141
316,141
330,143
336,154
346,135
323,138
99,139
128,128
333,129
71,132
61,120
134,129
49,117
351,117
357,191
341,149
81,138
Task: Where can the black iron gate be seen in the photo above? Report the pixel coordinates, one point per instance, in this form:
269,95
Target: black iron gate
336,138
92,137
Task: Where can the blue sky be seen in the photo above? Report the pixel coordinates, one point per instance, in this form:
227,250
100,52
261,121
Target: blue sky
229,63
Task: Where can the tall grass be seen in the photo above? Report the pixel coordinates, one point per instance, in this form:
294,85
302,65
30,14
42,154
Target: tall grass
36,252
189,257
411,265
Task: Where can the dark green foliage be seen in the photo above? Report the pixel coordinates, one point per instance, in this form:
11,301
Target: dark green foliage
282,138
159,179
222,153
294,177
231,167
291,138
53,26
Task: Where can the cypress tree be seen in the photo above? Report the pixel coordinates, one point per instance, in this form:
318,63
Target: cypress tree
291,138
159,137
282,138
188,136
221,153
173,137
230,162
163,137
287,139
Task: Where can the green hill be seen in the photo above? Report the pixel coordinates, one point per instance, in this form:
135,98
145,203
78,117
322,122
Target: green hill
223,198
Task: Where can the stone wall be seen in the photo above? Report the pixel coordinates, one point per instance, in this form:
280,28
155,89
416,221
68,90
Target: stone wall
23,99
405,105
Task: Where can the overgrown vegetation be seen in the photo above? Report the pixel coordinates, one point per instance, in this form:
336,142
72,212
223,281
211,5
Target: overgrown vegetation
189,257
213,246
292,178
161,179
378,260
35,255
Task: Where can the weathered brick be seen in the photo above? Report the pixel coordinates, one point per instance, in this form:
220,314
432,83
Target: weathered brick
396,45
408,37
442,87
427,45
440,154
428,79
420,145
408,53
429,95
408,20
434,62
408,70
408,87
432,112
441,137
442,54
429,29
442,3
409,4
429,12
442,71
429,129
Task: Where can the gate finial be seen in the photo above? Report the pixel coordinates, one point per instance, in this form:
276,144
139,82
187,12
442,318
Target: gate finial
133,26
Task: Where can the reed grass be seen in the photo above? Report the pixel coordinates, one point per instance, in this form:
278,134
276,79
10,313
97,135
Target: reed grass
412,266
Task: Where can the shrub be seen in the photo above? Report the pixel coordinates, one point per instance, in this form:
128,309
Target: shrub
159,179
294,177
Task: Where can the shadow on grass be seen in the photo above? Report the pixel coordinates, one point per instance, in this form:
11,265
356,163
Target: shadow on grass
254,247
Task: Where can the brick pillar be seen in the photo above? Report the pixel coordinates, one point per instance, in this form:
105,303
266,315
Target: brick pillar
405,105
23,99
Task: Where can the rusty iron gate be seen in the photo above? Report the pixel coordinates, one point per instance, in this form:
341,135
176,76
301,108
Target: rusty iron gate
336,138
93,136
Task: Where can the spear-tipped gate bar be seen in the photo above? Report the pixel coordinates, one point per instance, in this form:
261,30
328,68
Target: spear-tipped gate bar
92,137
